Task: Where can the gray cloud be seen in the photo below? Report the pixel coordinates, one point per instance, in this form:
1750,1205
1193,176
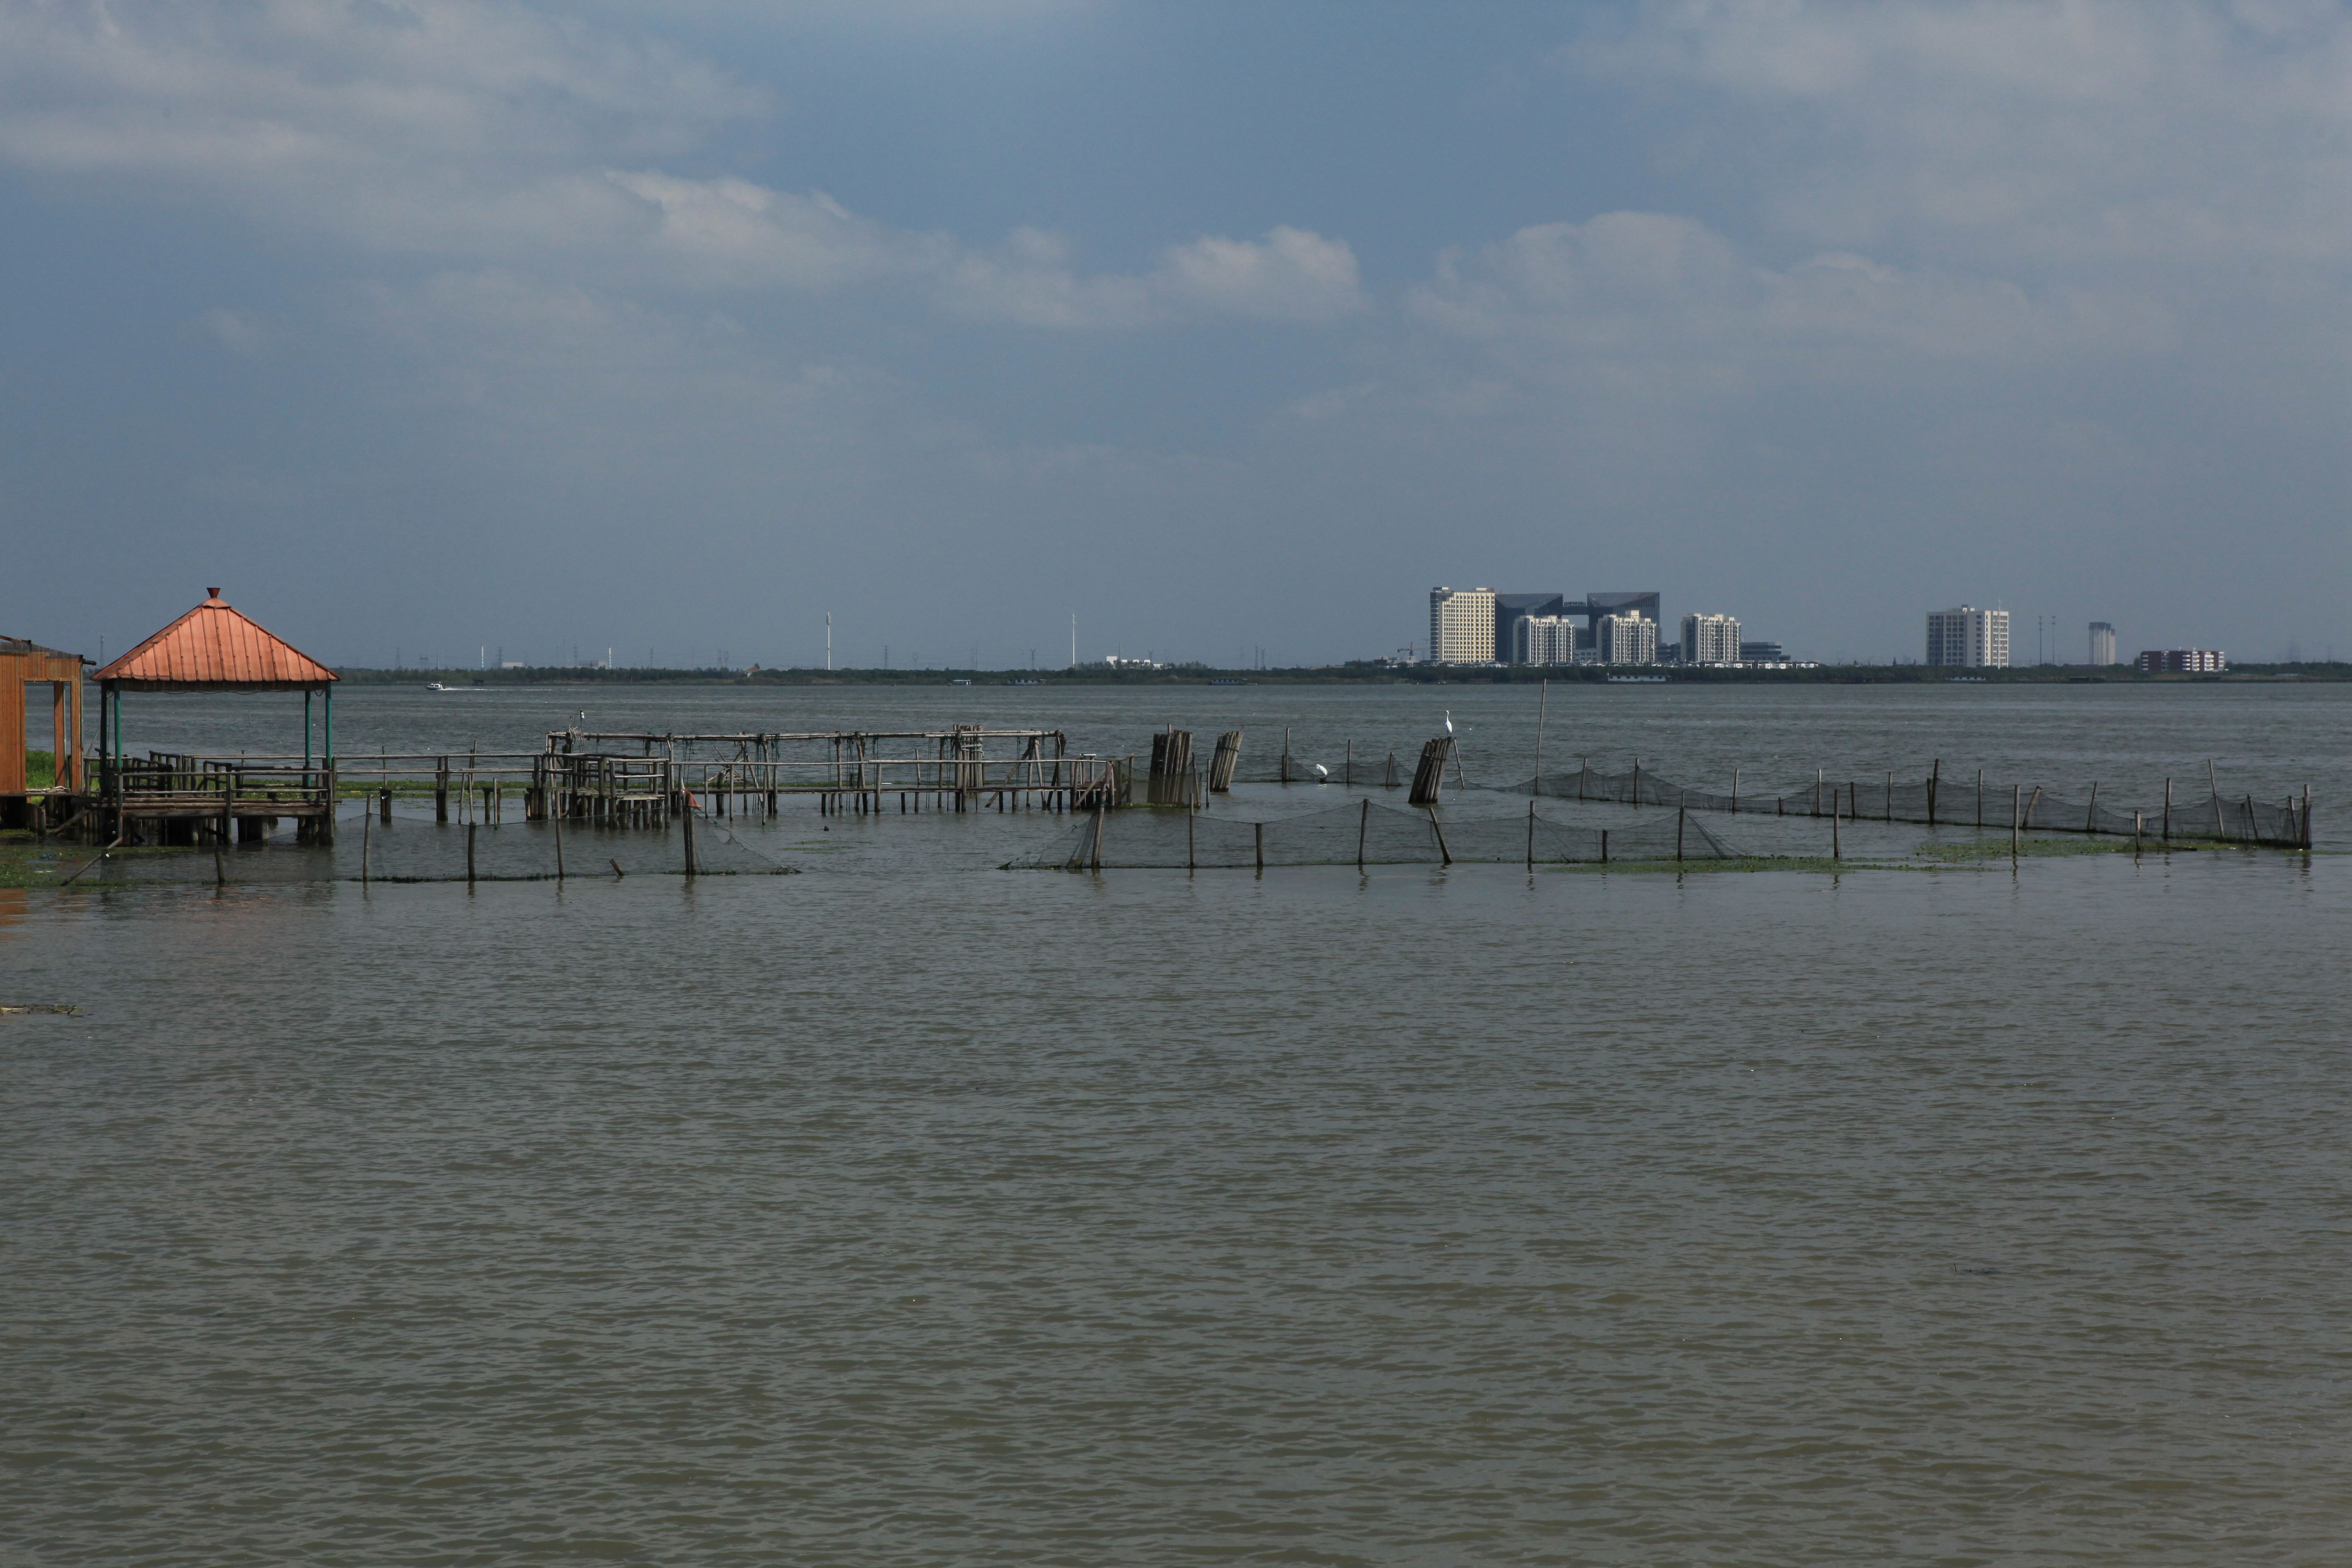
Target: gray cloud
1908,302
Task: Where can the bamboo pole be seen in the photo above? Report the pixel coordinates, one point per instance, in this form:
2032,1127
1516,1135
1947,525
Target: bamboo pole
1543,705
1363,825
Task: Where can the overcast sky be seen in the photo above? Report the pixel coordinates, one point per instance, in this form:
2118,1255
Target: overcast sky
1223,326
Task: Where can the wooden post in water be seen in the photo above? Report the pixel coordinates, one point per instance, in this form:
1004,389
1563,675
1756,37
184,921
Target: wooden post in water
1532,836
1260,826
559,847
1364,825
2135,826
2016,794
1445,856
1604,846
2306,819
1543,705
1189,817
469,855
1735,791
1979,797
1679,815
1935,777
1837,848
363,849
2091,817
687,816
2166,834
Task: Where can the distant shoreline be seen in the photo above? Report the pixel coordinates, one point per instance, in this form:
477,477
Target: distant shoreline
1347,675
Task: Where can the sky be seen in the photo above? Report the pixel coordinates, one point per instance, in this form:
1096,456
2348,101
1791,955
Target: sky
453,332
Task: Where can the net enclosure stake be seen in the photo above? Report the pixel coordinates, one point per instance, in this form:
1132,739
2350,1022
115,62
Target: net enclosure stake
1364,825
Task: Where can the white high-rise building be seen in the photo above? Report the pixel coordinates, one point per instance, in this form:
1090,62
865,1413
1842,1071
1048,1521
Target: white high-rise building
1710,639
1969,638
1462,625
1543,639
1625,639
2102,643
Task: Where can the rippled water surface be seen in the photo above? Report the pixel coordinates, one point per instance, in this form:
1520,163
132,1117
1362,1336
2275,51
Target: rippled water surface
905,1210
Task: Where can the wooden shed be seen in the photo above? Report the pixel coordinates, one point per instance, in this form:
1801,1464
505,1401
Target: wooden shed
24,664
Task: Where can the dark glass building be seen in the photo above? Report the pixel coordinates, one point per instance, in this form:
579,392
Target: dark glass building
1510,609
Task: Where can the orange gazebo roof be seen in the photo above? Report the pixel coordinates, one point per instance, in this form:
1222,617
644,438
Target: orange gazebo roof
215,648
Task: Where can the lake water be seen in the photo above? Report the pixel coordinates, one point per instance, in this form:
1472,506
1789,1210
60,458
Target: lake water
910,1211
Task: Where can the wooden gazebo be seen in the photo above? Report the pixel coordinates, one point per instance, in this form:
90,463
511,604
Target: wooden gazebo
23,664
215,648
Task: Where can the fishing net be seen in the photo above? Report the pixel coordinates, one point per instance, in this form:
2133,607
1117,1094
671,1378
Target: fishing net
418,850
1953,802
1358,833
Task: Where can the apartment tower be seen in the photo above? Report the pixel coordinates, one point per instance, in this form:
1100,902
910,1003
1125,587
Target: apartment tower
1710,639
1968,637
1462,625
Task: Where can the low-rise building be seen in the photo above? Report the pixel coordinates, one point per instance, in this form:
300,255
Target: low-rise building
2181,661
1762,653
